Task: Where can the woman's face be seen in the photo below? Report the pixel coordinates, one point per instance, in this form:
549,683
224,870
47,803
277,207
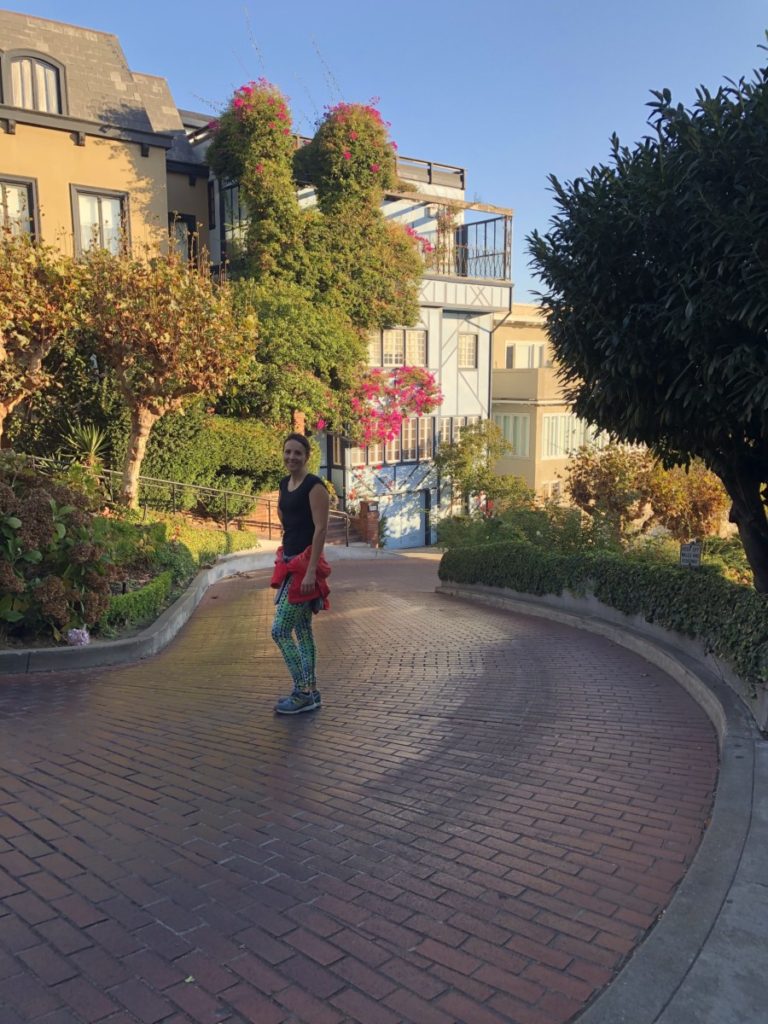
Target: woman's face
294,456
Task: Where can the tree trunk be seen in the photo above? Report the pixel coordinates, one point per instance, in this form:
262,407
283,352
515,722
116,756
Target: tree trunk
4,410
748,513
142,421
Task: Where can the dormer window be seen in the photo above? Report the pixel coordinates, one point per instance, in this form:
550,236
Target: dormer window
35,85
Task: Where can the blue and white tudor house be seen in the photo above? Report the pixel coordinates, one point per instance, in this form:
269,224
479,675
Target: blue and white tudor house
465,285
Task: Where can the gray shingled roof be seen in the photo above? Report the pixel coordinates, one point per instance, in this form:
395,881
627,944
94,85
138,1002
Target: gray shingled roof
100,85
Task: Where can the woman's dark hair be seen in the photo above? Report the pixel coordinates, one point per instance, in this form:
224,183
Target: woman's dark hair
301,439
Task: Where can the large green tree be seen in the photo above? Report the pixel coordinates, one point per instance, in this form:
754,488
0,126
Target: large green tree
655,270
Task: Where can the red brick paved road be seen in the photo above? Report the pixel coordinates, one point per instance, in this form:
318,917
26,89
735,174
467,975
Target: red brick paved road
481,823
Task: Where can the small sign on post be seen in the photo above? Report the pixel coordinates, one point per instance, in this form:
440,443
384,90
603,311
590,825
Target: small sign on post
690,554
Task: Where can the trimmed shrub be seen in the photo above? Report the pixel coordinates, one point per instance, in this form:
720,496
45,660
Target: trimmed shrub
138,606
730,620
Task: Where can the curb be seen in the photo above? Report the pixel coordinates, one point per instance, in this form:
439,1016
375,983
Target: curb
103,653
659,982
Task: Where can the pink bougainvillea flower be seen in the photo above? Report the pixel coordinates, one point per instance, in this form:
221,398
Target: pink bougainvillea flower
213,126
273,124
394,146
286,131
375,168
320,425
353,136
259,168
347,155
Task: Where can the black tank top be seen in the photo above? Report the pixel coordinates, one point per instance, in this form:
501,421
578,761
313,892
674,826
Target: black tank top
298,526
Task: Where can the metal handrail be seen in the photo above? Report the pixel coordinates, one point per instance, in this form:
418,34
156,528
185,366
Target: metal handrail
177,486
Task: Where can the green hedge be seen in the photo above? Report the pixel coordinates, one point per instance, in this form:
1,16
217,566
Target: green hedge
138,605
191,549
730,620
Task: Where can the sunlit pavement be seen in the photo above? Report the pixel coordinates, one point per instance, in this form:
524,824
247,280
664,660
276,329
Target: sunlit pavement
480,824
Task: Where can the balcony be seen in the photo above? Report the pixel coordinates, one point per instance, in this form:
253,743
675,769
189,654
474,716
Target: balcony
537,385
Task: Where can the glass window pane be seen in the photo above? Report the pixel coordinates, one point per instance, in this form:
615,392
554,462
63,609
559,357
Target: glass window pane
111,223
409,438
16,213
445,430
467,351
375,454
392,450
426,424
510,357
374,349
416,348
394,348
88,214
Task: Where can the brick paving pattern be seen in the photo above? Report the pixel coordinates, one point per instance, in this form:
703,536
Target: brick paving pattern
482,822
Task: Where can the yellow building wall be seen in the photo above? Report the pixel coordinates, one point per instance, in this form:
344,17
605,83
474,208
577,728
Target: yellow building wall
55,162
187,198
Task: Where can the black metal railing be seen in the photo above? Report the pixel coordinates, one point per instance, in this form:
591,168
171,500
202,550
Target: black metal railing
479,249
223,504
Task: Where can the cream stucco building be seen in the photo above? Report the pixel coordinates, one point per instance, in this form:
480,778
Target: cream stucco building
528,403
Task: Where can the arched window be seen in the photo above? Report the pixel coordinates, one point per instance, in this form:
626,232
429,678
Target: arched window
35,84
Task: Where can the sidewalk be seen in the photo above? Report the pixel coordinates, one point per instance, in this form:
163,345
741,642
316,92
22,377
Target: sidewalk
479,826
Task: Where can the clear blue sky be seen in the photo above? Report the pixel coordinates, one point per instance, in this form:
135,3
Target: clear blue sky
511,90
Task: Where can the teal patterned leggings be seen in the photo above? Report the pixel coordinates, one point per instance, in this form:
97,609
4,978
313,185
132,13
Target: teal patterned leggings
292,632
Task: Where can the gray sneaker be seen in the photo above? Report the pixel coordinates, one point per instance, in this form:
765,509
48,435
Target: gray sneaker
299,701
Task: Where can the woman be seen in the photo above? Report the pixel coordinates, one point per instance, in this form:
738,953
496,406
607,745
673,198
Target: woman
300,574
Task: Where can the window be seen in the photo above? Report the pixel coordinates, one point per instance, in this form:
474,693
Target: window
398,347
516,430
356,456
445,430
563,433
234,218
392,450
36,85
416,348
211,205
467,351
99,219
410,436
374,348
182,228
472,421
375,454
527,356
17,207
337,453
426,445
394,348
457,424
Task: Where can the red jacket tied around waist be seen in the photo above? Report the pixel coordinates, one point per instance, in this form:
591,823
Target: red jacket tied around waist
296,568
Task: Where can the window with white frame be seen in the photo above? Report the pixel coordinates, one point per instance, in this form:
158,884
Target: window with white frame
393,346
467,351
445,430
234,217
35,85
515,429
16,207
398,347
392,450
473,421
337,450
100,219
457,424
527,356
563,433
415,348
410,438
355,456
426,431
374,348
375,454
